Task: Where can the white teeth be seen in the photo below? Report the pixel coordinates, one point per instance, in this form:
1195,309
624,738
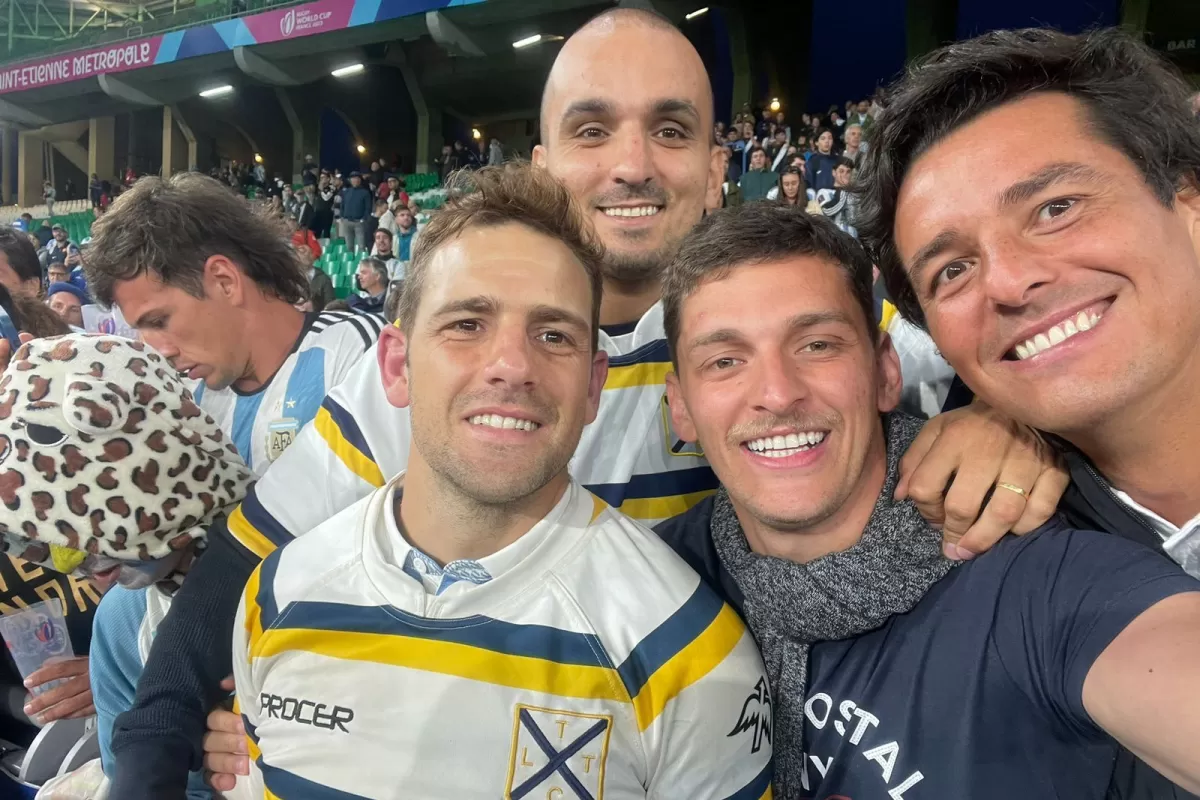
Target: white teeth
1083,321
506,423
637,211
781,446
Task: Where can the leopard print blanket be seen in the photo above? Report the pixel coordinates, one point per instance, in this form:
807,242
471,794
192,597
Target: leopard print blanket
103,451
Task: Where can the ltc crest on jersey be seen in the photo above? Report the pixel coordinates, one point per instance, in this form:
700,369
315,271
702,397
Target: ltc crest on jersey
558,755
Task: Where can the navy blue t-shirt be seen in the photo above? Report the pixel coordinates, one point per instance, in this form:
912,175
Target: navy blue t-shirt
978,691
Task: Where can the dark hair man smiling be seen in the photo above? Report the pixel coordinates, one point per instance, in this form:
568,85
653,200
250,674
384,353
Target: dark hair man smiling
1060,274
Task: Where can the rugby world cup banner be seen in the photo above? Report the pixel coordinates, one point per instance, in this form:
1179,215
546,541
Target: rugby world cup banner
216,37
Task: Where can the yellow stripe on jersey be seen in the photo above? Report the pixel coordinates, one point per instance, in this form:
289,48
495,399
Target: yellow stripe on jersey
684,648
247,535
254,629
347,453
598,507
656,508
650,374
887,315
252,748
689,665
448,658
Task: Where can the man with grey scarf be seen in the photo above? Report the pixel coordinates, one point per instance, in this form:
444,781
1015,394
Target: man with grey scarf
894,672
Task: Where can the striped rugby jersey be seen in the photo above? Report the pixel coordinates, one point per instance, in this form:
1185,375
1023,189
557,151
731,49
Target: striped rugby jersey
630,456
590,663
265,422
927,376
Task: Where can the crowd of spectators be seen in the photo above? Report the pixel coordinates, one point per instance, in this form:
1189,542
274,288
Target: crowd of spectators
809,162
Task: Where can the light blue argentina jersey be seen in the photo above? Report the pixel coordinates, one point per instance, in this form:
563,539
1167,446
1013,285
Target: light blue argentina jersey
263,423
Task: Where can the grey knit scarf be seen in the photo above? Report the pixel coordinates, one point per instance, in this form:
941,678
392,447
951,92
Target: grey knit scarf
789,606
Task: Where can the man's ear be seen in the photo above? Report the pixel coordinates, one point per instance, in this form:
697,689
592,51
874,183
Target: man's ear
680,418
887,370
393,366
716,177
223,278
596,384
1187,205
539,155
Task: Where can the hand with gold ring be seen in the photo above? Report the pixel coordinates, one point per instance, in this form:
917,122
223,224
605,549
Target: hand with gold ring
955,469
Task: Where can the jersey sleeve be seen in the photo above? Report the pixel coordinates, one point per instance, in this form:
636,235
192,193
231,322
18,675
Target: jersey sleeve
1066,595
331,465
702,702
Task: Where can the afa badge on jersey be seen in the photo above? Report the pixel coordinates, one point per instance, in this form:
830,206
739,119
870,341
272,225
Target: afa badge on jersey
559,755
280,435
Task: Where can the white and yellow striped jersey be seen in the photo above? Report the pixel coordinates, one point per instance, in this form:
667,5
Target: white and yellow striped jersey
585,660
630,456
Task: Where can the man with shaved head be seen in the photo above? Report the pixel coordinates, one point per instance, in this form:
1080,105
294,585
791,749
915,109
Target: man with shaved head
626,127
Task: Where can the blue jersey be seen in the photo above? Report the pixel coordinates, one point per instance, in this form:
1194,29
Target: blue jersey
263,423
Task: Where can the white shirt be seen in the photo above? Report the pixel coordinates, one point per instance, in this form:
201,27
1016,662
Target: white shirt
1181,544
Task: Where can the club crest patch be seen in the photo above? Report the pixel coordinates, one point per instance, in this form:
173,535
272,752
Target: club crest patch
559,755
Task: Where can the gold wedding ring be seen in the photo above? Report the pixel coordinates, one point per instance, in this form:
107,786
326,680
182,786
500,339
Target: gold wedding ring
1012,487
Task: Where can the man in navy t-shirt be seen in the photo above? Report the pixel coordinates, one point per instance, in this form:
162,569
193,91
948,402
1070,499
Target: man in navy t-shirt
893,673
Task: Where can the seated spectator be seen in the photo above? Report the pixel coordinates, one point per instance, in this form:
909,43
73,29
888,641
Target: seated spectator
837,203
405,235
67,300
371,280
382,249
20,270
758,180
58,273
854,144
792,191
320,287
